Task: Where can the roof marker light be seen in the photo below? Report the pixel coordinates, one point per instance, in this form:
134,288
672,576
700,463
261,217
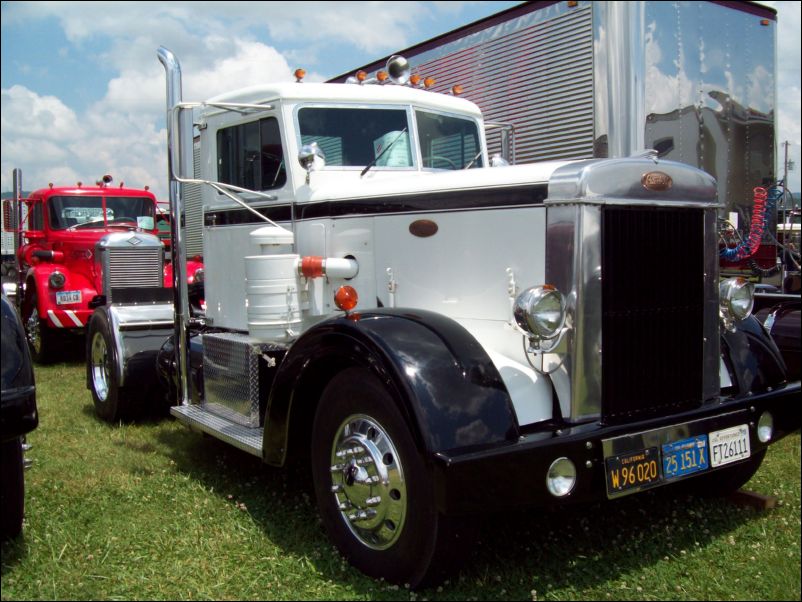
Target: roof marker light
299,75
456,90
361,76
414,79
382,76
429,82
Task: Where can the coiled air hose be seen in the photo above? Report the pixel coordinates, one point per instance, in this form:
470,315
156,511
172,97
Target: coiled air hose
763,201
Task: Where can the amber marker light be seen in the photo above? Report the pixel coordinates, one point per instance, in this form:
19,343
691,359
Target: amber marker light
456,90
382,76
361,76
414,79
429,82
346,298
299,75
765,22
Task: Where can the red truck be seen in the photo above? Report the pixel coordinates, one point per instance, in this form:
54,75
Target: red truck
77,247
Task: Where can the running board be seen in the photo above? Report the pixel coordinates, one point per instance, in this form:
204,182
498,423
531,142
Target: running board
242,437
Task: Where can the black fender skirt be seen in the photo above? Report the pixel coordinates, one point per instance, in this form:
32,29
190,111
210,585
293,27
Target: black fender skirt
447,388
753,359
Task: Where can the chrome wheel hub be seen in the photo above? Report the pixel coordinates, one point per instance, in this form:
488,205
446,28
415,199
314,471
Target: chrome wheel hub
100,367
368,482
33,331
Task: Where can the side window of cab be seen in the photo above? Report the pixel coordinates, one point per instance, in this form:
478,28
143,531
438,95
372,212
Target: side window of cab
250,155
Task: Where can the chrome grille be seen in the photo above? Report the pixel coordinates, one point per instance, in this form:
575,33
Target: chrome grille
130,261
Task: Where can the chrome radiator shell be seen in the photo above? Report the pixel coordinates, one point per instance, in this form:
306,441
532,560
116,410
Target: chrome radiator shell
129,260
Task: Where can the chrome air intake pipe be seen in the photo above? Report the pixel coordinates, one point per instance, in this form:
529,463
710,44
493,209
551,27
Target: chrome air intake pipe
177,158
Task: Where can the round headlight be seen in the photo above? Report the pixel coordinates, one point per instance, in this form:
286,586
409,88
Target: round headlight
561,478
737,296
56,280
765,427
540,311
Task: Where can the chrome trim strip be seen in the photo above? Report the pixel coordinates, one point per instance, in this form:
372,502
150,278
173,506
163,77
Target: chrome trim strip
659,436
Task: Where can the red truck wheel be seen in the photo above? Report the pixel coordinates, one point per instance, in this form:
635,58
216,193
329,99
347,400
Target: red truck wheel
42,340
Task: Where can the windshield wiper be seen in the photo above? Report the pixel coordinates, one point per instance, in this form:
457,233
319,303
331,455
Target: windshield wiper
381,154
472,161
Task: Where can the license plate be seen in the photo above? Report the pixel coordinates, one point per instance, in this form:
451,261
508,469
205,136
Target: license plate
635,469
685,457
729,445
67,297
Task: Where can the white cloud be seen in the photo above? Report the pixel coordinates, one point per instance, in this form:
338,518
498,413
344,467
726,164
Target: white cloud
26,114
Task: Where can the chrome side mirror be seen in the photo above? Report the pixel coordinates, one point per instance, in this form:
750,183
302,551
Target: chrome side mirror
311,158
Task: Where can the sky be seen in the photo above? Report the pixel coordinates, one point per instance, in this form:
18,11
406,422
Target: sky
83,93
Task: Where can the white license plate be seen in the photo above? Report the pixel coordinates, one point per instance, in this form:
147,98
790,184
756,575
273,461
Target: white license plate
67,297
729,445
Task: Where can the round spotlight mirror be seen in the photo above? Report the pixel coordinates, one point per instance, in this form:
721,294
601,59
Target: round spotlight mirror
398,68
311,157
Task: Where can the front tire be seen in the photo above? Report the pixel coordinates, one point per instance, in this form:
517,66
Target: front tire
112,402
42,339
374,490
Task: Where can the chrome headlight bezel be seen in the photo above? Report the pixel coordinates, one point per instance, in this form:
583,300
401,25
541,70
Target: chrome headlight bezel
736,300
56,280
539,312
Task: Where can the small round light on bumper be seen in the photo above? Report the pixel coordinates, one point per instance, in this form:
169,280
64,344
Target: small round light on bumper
561,477
765,427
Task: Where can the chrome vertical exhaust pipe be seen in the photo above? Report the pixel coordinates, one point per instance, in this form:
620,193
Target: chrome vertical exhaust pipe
179,153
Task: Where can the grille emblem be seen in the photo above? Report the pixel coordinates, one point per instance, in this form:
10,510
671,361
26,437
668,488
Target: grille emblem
134,241
656,181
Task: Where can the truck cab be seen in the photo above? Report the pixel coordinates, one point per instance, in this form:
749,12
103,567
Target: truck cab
77,242
437,336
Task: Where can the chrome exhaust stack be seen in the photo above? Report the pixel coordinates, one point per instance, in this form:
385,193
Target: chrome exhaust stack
178,157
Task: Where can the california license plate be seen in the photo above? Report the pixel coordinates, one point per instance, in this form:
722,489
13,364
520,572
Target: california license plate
636,469
67,297
729,445
685,457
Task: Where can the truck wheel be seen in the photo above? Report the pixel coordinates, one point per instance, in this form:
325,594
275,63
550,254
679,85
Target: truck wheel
42,340
373,488
13,488
112,403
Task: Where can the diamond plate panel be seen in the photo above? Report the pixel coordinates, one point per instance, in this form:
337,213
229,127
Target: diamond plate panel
231,377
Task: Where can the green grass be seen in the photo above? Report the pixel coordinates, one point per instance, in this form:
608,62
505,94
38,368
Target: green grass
153,511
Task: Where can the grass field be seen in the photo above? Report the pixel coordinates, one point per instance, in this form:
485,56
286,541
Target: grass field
153,511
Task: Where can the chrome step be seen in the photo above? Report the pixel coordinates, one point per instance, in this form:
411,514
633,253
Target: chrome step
242,437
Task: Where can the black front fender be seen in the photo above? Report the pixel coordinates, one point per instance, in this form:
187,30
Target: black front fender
447,388
753,359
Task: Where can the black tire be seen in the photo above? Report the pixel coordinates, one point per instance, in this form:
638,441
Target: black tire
112,402
405,540
43,341
724,481
13,489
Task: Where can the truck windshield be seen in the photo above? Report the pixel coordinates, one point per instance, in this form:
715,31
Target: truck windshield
355,137
448,142
87,212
